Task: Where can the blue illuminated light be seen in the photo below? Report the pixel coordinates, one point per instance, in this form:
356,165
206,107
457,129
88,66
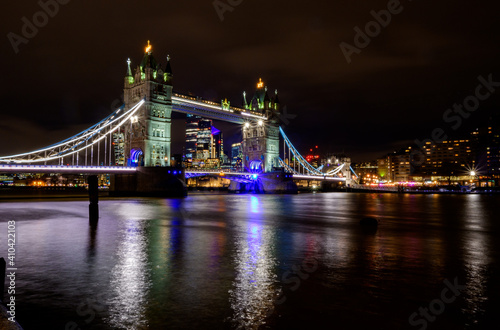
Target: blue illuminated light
215,131
254,176
135,154
255,165
254,230
254,204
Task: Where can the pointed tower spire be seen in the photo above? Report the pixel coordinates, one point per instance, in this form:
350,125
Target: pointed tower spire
148,61
266,97
245,103
129,70
267,100
276,99
168,69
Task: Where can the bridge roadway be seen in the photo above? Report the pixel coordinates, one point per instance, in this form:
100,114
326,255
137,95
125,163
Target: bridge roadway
207,109
69,169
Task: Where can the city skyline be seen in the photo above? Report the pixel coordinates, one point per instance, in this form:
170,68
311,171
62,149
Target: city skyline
406,69
231,164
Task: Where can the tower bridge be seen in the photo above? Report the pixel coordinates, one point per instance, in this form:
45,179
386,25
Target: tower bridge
135,139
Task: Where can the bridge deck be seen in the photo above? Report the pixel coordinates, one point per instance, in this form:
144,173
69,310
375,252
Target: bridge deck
68,169
212,110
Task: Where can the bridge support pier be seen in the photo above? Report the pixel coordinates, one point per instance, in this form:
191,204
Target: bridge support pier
94,200
328,186
277,182
150,182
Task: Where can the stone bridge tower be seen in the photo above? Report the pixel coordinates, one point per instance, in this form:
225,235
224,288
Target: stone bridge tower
261,139
147,137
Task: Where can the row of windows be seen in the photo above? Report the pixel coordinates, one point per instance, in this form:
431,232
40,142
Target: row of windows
154,148
158,113
160,89
137,92
158,132
255,133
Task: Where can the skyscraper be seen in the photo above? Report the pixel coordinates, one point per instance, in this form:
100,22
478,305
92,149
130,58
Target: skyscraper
204,139
191,138
204,143
236,155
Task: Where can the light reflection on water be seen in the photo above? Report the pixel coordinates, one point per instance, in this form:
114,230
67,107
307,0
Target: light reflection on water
476,258
130,277
254,288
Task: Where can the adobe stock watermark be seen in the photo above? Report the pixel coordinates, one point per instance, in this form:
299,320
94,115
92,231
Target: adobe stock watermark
298,274
284,116
87,310
372,29
295,276
455,116
30,28
436,307
223,6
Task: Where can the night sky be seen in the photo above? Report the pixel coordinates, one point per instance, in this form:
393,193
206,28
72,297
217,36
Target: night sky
70,74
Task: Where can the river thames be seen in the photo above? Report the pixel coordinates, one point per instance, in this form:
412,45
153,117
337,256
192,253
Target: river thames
213,261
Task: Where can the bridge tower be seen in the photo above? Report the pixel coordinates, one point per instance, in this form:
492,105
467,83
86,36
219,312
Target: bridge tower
261,138
147,137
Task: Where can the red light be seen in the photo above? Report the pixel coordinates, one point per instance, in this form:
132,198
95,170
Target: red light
316,147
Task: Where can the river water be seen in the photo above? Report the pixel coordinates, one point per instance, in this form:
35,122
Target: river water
258,261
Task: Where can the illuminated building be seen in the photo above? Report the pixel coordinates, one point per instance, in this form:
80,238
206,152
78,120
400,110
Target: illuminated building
191,136
119,148
217,145
148,135
261,139
488,153
204,139
399,168
313,157
367,172
493,154
383,168
448,160
6,180
236,156
204,143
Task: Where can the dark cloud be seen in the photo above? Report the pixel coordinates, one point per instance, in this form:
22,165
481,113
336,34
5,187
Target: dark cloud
428,57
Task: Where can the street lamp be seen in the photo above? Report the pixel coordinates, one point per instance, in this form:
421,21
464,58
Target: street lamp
472,174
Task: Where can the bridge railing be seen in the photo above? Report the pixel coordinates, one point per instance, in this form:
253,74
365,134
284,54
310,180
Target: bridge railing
21,168
374,188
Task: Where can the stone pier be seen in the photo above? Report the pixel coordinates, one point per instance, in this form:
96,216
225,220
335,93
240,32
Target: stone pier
150,182
277,182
